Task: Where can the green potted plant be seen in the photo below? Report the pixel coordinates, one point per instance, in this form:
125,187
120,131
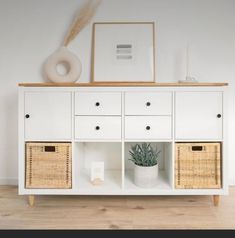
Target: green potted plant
145,160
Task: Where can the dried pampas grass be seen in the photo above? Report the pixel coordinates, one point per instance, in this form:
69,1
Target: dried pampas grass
82,18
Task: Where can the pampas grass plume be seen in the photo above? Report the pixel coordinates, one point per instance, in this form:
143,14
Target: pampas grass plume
82,18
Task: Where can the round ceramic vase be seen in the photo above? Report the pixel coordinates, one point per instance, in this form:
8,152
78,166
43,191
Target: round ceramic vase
63,56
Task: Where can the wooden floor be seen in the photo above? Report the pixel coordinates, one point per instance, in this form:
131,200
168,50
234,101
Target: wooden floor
115,212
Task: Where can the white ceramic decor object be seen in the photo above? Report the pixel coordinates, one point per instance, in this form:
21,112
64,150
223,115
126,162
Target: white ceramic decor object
145,177
63,56
97,172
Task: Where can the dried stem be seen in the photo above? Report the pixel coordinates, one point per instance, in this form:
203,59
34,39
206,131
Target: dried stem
82,18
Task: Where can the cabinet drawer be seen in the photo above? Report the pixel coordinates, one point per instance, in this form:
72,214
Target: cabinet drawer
148,103
148,127
101,103
97,127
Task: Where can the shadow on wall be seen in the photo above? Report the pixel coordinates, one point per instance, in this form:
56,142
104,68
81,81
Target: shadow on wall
42,72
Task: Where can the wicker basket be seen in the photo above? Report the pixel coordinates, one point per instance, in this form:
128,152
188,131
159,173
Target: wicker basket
48,165
198,165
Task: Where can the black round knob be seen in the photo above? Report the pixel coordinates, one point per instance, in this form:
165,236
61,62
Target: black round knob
97,104
148,104
97,128
219,116
27,116
147,128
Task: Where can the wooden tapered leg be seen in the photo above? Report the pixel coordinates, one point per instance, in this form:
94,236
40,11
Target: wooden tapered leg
31,200
216,200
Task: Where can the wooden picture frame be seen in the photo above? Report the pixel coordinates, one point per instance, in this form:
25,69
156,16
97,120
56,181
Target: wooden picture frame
123,52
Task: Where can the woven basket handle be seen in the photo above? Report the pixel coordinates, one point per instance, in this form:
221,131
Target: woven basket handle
49,148
197,148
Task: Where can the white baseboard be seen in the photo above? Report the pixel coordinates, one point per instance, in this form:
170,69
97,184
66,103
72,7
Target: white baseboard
8,181
231,182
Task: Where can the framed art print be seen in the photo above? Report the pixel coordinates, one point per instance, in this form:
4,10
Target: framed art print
123,52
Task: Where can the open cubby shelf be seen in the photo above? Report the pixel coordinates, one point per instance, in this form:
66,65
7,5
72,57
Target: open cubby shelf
118,169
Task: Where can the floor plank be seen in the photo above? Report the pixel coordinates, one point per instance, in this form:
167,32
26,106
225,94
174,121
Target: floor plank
115,212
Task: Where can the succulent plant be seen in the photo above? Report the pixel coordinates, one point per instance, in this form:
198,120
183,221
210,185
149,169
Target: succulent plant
144,155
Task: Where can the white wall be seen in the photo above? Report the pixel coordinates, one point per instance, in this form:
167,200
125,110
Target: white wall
30,30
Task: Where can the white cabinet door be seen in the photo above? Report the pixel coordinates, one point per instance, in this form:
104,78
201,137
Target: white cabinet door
48,115
198,115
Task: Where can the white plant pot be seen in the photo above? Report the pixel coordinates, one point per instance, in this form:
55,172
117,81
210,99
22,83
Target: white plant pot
145,177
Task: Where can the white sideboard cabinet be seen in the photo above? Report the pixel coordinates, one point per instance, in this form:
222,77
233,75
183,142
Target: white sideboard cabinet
100,122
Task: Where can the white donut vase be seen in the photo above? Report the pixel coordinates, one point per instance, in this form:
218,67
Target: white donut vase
63,56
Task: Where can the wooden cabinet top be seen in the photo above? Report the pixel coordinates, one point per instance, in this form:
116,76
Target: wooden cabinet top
123,84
